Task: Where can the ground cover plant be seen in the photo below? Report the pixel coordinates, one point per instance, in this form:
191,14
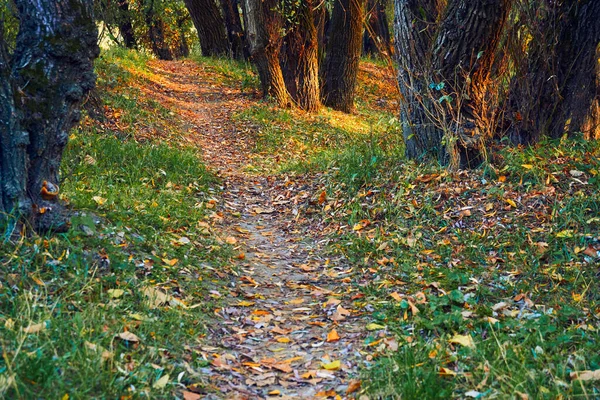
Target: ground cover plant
93,311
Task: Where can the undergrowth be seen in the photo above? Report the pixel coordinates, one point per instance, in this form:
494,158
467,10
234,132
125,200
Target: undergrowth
116,306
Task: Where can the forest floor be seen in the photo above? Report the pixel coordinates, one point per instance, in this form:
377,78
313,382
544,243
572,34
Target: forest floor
222,247
286,329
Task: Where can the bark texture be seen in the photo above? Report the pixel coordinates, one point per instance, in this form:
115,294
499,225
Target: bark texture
376,38
300,58
556,90
210,26
233,25
156,33
42,86
263,30
443,73
125,25
343,54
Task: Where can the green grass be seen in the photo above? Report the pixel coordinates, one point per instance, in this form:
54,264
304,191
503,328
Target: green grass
520,242
140,222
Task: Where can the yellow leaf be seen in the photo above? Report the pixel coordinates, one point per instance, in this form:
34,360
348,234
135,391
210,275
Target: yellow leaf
35,328
65,397
396,296
374,327
527,166
463,340
332,366
576,297
333,336
283,339
245,303
511,202
162,382
446,372
274,393
170,262
115,293
99,200
567,233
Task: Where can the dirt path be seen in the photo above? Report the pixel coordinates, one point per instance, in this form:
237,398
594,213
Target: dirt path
290,328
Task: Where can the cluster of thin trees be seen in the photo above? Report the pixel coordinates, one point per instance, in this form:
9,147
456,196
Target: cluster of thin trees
470,72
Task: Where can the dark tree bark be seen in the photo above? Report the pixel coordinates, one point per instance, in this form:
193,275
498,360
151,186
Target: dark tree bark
263,30
233,25
343,54
126,26
452,65
377,39
210,26
42,86
555,90
156,33
300,59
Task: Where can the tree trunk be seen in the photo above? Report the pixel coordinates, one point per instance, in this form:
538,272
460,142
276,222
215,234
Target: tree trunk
233,25
263,30
43,84
125,25
376,39
443,76
415,29
343,54
556,88
300,61
156,33
210,26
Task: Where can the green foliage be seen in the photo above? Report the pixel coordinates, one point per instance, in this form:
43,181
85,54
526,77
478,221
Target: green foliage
508,242
140,222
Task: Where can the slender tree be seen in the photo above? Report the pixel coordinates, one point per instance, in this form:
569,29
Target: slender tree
210,26
263,29
42,85
343,54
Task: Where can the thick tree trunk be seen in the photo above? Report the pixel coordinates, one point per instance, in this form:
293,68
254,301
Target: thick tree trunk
556,89
125,25
210,26
343,54
300,61
415,27
43,84
233,25
376,39
263,30
443,76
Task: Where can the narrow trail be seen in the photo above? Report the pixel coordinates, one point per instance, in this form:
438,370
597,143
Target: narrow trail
289,329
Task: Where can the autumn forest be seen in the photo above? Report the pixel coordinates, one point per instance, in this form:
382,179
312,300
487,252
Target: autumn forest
299,199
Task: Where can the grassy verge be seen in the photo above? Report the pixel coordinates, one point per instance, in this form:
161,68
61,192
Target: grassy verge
485,279
115,307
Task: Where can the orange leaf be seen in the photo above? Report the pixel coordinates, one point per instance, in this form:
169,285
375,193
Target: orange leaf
333,336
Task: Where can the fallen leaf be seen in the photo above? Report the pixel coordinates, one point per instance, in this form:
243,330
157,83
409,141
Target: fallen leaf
586,375
332,366
463,340
35,328
374,327
446,372
190,395
115,293
162,382
99,200
230,240
353,386
333,336
283,339
128,337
